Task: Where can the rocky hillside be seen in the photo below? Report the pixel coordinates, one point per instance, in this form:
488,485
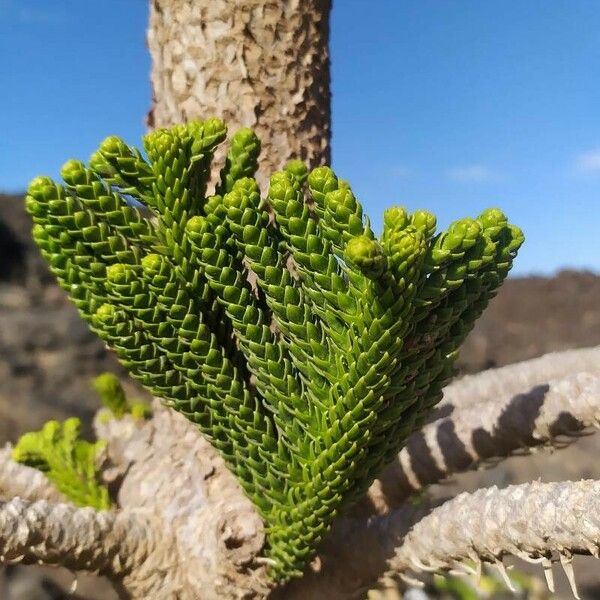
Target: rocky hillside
534,315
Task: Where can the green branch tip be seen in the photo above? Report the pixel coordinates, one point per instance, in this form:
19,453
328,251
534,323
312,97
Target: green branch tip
68,461
304,347
298,169
395,218
151,263
197,225
425,222
367,255
118,273
108,387
73,172
111,392
105,312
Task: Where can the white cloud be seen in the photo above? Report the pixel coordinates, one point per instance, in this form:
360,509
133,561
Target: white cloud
588,162
473,174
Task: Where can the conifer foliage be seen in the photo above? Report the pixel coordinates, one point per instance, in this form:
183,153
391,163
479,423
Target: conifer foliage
301,344
69,462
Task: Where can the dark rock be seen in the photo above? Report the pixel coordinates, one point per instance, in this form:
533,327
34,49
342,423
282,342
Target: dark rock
12,254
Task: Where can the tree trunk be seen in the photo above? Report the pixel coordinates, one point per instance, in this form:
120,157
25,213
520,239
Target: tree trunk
254,63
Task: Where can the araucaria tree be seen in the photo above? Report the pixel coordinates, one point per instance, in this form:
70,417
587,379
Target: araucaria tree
306,376
292,353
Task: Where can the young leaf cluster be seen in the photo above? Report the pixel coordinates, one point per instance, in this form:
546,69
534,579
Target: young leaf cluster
301,344
112,395
69,462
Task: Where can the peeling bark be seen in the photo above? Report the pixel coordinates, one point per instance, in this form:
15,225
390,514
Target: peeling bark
254,63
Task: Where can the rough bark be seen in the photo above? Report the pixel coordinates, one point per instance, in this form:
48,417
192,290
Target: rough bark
531,521
108,543
257,63
17,480
516,378
551,414
167,468
182,527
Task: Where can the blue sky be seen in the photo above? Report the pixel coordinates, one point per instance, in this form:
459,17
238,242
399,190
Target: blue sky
447,105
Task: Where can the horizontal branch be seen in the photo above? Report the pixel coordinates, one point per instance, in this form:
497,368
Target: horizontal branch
496,429
22,481
531,521
516,378
109,543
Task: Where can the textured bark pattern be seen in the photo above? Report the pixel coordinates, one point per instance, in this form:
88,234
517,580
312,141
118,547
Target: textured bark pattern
24,482
256,63
546,415
108,543
166,468
517,378
531,521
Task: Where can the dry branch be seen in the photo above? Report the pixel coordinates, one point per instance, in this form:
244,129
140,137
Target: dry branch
108,543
